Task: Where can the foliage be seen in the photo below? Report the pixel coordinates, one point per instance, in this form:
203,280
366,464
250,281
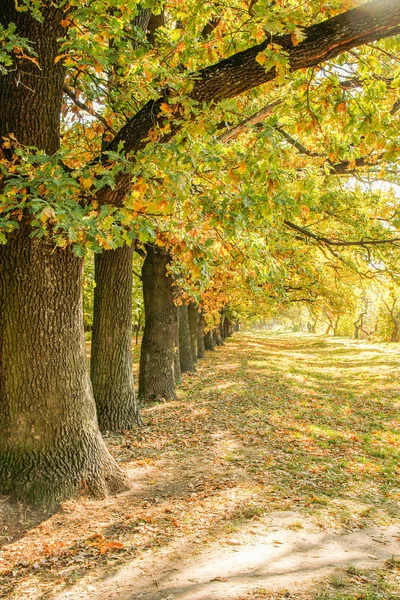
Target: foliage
222,208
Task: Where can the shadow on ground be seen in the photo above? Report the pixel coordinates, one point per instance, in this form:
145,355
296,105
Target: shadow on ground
295,423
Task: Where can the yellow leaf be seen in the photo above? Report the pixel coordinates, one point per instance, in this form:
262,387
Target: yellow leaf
261,58
86,182
297,36
59,57
47,213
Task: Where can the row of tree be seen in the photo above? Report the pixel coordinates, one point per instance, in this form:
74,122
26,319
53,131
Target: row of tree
363,310
124,128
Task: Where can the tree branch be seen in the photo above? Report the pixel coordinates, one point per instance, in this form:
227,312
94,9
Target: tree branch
210,26
396,107
71,94
254,119
329,242
302,149
137,275
347,167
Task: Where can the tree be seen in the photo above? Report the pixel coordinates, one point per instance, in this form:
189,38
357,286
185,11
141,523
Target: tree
200,335
193,327
51,447
159,345
111,354
185,340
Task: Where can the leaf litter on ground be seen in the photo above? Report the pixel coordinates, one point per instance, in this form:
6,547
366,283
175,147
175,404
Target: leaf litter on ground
269,422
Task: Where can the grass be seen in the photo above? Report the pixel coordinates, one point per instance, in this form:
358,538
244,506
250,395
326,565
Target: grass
313,421
359,584
269,422
350,584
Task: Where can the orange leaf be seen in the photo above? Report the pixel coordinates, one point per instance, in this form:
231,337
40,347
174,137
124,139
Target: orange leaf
166,107
110,545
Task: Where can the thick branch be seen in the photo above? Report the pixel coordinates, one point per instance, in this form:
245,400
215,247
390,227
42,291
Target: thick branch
347,167
329,242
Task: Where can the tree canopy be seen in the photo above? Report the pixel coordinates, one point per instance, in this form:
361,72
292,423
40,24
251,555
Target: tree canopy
223,132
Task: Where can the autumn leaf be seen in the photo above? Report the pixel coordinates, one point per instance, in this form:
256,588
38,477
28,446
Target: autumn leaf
107,545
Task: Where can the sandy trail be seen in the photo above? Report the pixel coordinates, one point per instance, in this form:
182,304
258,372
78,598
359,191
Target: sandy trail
280,551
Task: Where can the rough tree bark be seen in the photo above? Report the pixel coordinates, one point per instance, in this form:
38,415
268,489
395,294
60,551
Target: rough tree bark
223,326
228,327
209,343
185,349
217,337
177,354
50,444
193,327
200,336
157,373
394,337
111,356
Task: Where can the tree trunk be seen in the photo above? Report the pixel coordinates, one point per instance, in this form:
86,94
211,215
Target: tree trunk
177,353
193,326
157,373
217,337
50,446
228,327
221,327
111,357
31,97
336,326
185,349
209,343
200,336
395,331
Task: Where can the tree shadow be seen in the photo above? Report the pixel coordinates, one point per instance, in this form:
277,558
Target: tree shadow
17,518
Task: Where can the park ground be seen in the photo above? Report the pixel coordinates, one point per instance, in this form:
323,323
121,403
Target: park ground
275,474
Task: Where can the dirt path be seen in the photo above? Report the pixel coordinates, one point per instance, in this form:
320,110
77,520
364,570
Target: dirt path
266,554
